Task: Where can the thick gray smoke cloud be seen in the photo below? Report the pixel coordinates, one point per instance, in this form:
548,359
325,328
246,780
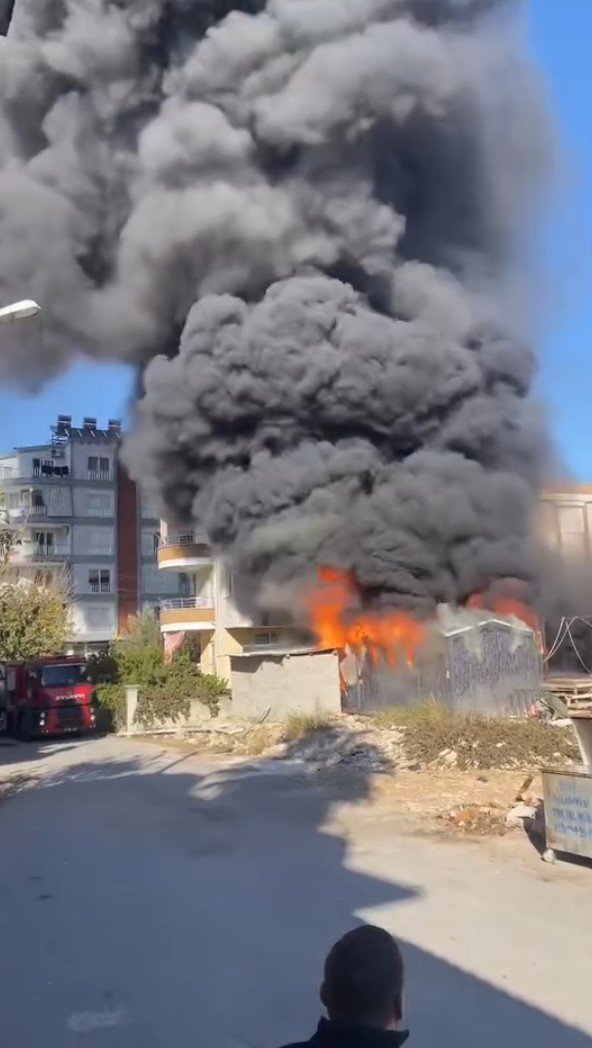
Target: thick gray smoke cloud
331,198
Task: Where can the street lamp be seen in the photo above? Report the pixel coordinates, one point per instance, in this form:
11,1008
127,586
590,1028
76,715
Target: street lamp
19,311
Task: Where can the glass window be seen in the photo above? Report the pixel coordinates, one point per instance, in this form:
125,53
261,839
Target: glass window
99,580
63,676
103,465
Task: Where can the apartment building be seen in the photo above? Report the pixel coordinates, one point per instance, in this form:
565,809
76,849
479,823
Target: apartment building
74,509
208,607
565,520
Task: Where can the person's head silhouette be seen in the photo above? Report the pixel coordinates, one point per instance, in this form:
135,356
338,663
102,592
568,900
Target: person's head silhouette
363,982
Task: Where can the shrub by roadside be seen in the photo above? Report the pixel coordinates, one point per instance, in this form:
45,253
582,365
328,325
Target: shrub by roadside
165,689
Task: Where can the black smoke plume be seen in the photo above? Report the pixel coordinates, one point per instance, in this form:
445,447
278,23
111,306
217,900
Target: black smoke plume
333,199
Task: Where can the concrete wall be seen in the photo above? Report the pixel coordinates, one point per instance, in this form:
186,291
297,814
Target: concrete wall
285,684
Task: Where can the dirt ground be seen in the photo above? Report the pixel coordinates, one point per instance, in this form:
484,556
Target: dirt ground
463,801
446,799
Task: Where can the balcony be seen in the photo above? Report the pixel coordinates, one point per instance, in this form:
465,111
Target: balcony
40,553
187,613
48,471
24,513
189,550
98,474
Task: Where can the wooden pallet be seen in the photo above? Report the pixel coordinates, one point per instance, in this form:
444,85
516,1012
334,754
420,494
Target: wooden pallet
575,692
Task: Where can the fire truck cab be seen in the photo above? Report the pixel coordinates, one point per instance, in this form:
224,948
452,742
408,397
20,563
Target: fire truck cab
46,696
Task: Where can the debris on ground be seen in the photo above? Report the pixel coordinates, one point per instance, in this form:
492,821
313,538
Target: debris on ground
474,819
453,768
521,817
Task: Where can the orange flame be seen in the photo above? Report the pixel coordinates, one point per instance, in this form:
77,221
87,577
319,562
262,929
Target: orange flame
337,623
506,604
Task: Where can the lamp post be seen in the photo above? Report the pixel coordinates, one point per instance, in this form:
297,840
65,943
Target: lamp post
19,311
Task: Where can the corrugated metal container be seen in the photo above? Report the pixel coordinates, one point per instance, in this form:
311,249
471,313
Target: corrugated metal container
469,662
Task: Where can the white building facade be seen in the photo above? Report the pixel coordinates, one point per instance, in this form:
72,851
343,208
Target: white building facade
73,510
208,605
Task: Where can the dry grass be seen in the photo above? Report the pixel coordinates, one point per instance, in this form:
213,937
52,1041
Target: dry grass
432,730
300,725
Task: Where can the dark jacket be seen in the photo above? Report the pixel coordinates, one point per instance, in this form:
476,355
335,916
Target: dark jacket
337,1035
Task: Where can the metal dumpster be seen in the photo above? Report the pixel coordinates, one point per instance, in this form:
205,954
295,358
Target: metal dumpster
568,799
568,811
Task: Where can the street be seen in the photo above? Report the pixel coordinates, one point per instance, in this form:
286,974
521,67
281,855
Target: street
149,899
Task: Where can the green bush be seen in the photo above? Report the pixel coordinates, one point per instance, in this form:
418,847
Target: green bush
165,689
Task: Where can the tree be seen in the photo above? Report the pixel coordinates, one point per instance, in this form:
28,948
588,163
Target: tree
34,616
7,534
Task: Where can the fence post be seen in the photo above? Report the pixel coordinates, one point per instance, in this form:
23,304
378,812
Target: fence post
131,705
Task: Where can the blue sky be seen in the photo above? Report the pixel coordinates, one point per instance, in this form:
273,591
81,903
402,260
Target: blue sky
560,35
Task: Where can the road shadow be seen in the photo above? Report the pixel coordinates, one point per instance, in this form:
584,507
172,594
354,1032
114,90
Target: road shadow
198,907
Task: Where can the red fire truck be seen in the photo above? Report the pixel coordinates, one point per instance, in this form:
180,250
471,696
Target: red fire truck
46,696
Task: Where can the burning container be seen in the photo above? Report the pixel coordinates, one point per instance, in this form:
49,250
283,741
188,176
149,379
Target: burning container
469,661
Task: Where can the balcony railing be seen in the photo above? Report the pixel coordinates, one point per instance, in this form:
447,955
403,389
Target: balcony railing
182,603
33,553
97,511
24,512
98,474
50,472
186,539
98,587
42,551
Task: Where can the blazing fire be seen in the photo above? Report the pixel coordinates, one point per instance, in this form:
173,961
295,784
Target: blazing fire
506,604
338,623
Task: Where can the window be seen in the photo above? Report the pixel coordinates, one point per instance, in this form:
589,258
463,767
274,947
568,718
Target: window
184,585
44,541
572,528
99,541
99,580
36,467
266,638
99,506
63,676
98,617
98,467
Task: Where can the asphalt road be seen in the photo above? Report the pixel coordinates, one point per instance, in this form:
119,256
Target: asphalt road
151,900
